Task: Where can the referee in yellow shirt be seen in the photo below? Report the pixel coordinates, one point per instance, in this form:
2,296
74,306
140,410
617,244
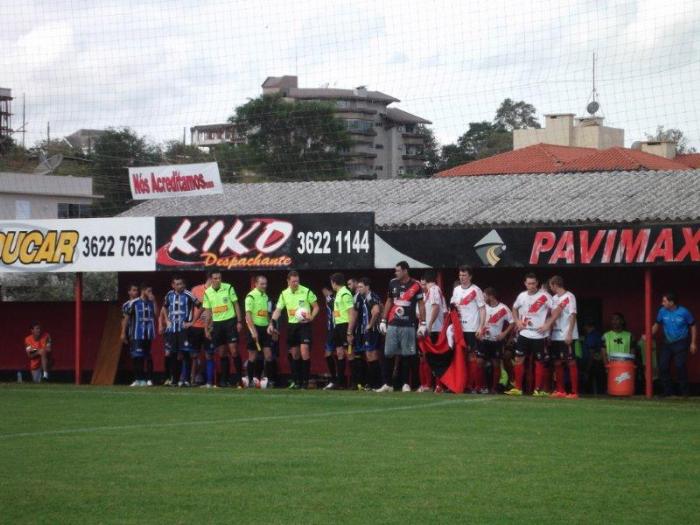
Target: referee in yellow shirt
223,324
301,306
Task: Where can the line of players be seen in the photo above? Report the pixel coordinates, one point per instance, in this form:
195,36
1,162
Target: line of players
208,320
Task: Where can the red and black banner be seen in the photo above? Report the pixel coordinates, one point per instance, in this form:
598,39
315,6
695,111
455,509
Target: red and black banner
248,242
636,245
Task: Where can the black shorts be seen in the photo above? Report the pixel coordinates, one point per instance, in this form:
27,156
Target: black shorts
470,340
264,339
298,334
177,341
199,341
224,332
489,349
526,346
340,335
559,350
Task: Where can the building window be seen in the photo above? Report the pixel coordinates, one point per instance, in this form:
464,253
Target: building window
358,125
379,146
379,168
410,128
377,124
73,211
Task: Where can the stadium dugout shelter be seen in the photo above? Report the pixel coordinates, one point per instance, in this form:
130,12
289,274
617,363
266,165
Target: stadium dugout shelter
619,239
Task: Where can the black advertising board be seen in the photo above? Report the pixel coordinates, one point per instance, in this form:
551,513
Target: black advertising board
248,242
549,246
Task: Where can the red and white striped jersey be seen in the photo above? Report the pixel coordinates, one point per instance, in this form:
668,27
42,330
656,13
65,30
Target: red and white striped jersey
497,318
468,301
567,301
533,310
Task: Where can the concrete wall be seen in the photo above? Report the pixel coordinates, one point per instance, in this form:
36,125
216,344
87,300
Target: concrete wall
40,206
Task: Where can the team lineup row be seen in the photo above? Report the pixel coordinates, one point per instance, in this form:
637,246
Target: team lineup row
380,342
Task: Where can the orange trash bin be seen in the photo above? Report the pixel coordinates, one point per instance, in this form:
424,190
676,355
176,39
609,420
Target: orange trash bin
621,374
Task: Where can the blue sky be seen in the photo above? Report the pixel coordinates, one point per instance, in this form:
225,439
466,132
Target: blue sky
158,66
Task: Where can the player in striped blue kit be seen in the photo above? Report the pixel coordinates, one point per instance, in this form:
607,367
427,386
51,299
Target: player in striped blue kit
141,313
176,316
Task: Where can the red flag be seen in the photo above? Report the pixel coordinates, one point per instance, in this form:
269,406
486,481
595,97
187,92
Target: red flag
455,377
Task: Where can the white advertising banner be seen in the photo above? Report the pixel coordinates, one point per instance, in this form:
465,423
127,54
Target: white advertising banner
122,244
178,180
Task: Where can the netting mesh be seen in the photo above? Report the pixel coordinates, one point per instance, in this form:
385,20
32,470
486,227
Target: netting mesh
161,67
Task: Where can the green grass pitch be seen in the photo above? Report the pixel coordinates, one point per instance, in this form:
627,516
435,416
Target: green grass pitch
119,455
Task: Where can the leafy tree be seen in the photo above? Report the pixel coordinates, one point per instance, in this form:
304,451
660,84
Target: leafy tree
114,152
293,140
516,115
431,151
178,153
7,143
673,135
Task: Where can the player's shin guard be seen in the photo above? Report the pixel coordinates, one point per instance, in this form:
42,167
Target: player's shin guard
223,373
495,376
298,371
250,369
559,371
573,376
211,366
519,372
149,368
473,378
354,372
374,374
341,373
330,363
539,375
425,373
404,369
173,368
185,370
305,372
238,362
137,363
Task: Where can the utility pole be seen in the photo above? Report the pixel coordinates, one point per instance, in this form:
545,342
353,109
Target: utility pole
184,136
24,119
48,134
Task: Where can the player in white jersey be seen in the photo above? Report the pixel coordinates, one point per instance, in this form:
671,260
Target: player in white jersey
469,301
530,312
499,323
433,365
562,323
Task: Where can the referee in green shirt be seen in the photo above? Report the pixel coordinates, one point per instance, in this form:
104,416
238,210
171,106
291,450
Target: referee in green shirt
257,318
223,324
343,311
301,306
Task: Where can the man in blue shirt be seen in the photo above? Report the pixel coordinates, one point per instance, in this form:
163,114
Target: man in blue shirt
141,331
679,336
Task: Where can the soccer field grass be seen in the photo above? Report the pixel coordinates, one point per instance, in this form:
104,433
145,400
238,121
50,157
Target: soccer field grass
108,455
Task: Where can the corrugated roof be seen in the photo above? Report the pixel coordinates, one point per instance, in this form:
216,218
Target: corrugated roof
572,198
538,158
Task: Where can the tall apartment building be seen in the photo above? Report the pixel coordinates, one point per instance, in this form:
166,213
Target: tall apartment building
386,142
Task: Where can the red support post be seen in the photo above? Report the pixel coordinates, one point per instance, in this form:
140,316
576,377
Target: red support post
648,372
78,292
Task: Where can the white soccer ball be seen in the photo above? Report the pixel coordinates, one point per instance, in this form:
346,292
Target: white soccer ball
244,380
301,314
263,382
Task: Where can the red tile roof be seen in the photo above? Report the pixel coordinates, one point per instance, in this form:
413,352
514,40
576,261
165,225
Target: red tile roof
546,158
692,160
622,159
539,158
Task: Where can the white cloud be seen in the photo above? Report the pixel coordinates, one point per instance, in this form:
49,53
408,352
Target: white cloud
159,66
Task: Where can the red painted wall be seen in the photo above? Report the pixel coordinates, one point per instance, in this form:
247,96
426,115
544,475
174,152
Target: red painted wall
617,290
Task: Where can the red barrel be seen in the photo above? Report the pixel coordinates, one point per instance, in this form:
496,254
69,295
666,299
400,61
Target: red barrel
621,374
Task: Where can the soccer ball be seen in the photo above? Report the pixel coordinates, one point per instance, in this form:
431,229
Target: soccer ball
263,382
301,314
256,382
244,380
